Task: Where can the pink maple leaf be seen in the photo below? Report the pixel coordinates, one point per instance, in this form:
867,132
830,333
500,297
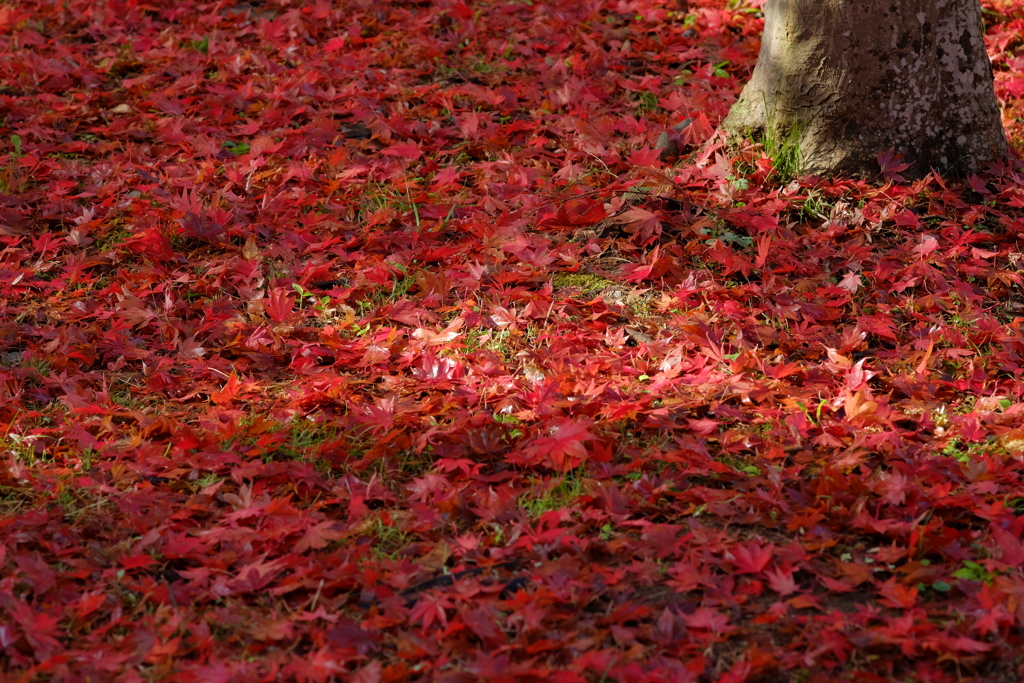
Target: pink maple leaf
751,558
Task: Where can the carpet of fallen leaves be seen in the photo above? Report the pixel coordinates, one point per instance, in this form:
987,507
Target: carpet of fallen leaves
392,340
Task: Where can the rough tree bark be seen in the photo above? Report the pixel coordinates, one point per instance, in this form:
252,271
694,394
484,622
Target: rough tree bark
845,79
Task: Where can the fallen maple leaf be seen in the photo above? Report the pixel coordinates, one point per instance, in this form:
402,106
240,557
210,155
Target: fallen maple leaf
437,558
858,405
319,536
897,595
645,225
448,334
372,672
1009,544
781,580
708,618
580,212
563,447
403,149
335,44
927,245
891,165
431,608
851,282
228,393
751,558
279,305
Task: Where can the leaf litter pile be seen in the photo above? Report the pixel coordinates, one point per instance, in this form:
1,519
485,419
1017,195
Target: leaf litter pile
391,340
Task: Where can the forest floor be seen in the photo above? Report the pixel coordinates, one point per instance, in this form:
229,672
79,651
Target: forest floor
392,340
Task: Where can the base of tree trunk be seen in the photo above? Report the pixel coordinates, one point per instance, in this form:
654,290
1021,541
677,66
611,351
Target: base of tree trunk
838,81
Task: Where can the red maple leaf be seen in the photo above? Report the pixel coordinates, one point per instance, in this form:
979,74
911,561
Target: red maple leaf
1009,544
892,164
897,595
580,212
403,149
319,536
751,558
279,305
563,447
431,608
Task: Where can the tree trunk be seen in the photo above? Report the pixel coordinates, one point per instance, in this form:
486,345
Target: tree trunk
842,80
